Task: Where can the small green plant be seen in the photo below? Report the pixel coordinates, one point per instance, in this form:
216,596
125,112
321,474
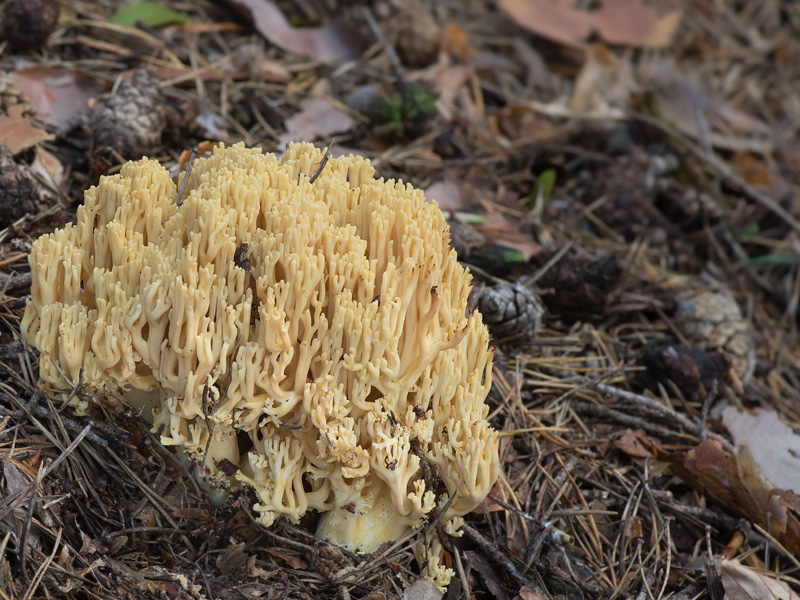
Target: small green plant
544,185
405,110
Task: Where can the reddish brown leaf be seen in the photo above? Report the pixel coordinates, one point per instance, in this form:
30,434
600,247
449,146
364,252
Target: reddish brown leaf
333,41
57,94
735,482
293,561
635,443
17,133
624,22
317,118
200,514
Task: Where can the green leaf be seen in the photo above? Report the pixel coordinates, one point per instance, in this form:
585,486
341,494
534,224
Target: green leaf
511,255
149,13
470,218
772,259
745,233
544,185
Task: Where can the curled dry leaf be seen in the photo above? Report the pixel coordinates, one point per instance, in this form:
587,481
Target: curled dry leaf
743,583
735,482
335,40
775,447
422,589
526,593
317,118
636,444
57,94
624,22
605,81
18,133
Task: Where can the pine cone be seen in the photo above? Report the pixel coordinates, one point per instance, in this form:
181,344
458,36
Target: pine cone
18,193
132,120
26,24
510,310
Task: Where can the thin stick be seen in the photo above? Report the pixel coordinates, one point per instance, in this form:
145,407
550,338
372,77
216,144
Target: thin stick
387,47
186,175
322,163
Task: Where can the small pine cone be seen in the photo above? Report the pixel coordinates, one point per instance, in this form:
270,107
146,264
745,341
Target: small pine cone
26,24
510,310
132,120
18,193
11,95
418,34
713,321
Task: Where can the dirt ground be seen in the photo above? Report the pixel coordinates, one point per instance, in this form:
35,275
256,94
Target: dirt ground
619,176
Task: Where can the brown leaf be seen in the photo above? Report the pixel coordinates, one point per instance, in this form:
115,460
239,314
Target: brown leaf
623,22
317,118
604,81
234,560
447,193
17,133
497,229
518,122
335,40
773,444
526,593
743,583
455,43
57,94
294,561
422,589
191,512
752,168
635,443
735,482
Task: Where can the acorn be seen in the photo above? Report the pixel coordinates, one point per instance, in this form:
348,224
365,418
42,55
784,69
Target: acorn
26,24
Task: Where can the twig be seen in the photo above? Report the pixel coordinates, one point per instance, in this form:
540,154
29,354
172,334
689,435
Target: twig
326,156
496,555
186,175
387,47
8,503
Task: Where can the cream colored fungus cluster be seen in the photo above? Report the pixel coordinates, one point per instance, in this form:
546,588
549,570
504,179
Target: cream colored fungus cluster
309,339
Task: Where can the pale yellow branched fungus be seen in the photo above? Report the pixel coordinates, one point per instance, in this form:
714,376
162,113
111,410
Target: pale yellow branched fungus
317,332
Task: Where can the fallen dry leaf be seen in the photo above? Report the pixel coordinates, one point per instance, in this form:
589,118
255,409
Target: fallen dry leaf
317,119
735,482
455,43
517,122
57,94
293,561
192,512
623,22
604,81
682,101
497,229
773,444
336,40
17,133
743,583
447,193
49,169
526,593
422,589
635,443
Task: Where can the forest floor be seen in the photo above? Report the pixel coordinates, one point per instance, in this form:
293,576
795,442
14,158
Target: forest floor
623,178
